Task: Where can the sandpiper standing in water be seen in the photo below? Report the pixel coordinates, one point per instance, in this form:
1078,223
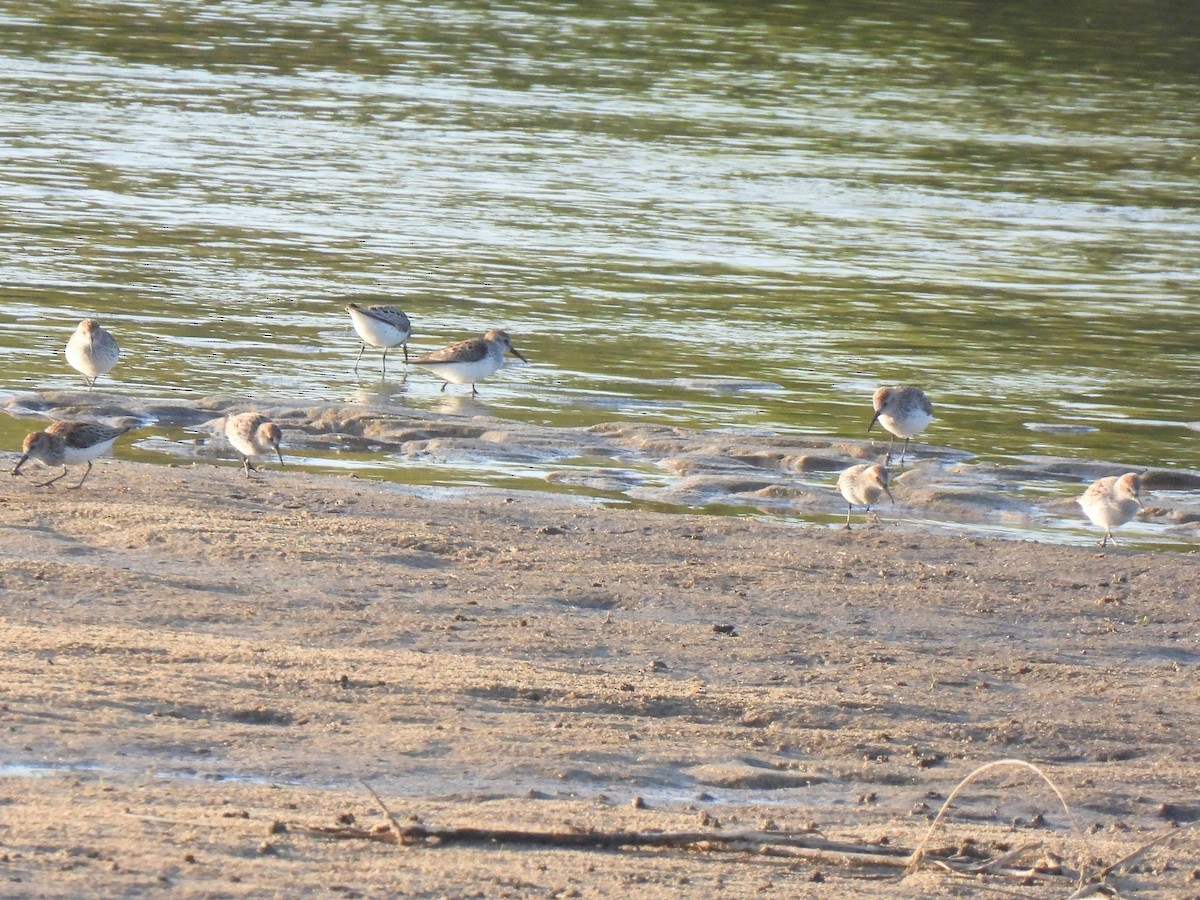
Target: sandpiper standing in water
470,361
1112,501
862,486
904,411
380,326
65,443
253,434
92,351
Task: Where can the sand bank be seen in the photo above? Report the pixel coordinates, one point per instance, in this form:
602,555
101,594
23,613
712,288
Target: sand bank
199,666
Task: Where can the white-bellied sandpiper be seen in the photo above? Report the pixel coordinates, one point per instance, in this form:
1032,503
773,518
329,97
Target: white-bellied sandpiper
863,485
253,434
1113,501
904,411
92,351
468,362
380,326
66,443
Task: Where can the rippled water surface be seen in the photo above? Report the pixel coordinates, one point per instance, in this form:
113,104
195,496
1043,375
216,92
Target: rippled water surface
723,215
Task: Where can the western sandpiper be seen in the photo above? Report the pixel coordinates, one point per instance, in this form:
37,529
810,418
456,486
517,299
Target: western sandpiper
66,443
470,361
253,434
380,326
862,486
904,411
92,351
1112,501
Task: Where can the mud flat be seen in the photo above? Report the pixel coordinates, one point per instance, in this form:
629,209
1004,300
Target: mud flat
201,670
648,465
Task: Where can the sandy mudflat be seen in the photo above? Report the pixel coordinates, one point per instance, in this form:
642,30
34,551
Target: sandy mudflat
198,667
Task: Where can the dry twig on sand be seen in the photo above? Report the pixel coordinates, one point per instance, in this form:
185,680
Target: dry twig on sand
790,846
918,854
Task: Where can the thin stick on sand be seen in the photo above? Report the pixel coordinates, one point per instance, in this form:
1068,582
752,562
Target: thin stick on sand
917,855
396,829
1100,882
760,844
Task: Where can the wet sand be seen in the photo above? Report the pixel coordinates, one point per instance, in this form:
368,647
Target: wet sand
650,465
201,667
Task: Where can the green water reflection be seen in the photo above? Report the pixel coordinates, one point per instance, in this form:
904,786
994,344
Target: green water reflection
997,201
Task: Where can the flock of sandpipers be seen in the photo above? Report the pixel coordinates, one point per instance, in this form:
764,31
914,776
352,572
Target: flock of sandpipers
903,410
92,351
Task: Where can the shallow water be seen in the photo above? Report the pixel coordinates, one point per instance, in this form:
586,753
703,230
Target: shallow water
644,464
656,785
704,215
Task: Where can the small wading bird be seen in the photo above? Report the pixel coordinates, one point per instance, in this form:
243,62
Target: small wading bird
862,486
92,351
380,326
904,411
1112,501
65,444
253,434
468,362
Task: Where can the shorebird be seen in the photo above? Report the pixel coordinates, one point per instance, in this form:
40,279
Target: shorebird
468,362
904,411
253,434
1112,501
862,486
65,443
92,351
380,326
